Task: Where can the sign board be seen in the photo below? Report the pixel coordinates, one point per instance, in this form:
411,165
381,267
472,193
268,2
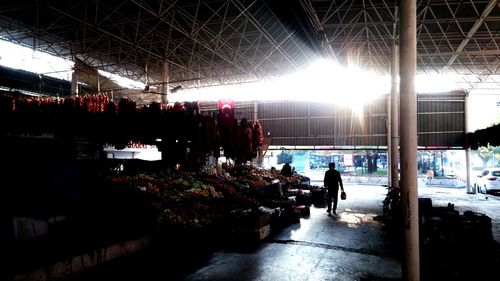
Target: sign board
133,146
348,159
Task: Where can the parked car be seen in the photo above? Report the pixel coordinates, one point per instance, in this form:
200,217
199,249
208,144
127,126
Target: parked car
488,181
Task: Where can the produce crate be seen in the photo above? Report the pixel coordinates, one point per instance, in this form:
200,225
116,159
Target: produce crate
318,196
304,210
262,220
243,233
304,199
249,227
263,232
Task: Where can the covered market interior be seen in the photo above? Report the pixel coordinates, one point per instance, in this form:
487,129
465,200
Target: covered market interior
145,139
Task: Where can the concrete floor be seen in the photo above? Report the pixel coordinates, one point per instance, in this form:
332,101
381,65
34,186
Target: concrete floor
350,246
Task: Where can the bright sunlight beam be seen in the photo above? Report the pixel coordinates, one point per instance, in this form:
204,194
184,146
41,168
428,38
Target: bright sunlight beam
323,82
122,81
20,57
436,83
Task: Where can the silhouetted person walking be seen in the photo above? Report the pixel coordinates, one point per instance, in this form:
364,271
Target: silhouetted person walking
332,182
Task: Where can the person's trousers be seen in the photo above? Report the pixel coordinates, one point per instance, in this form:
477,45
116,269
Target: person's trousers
332,195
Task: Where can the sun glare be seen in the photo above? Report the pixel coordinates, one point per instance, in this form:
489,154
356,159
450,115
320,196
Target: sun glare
436,83
122,81
322,82
20,57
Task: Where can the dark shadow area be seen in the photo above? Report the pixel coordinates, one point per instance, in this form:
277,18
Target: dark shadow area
453,246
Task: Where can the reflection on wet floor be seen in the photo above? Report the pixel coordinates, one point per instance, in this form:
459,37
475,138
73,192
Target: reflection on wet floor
354,220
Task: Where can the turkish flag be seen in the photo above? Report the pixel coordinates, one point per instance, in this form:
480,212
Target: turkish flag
226,111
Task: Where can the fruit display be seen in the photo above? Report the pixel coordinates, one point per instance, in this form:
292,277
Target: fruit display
194,216
183,197
257,177
171,188
194,201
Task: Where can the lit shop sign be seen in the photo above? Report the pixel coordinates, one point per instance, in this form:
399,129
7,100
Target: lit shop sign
131,146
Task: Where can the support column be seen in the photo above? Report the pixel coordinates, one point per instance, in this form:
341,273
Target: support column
389,138
74,84
98,83
164,99
255,112
394,117
164,85
470,189
408,115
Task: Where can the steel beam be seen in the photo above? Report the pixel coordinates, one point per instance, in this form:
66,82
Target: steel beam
472,31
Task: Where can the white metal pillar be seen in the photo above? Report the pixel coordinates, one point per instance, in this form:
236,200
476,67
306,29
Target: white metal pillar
164,84
98,82
255,112
470,189
389,137
408,115
394,118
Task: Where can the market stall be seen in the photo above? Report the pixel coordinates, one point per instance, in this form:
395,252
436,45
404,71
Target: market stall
180,200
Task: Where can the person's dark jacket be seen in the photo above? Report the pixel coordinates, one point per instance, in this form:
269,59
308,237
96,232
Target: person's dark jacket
333,180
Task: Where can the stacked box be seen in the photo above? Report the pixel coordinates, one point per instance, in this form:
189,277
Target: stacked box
251,227
263,232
